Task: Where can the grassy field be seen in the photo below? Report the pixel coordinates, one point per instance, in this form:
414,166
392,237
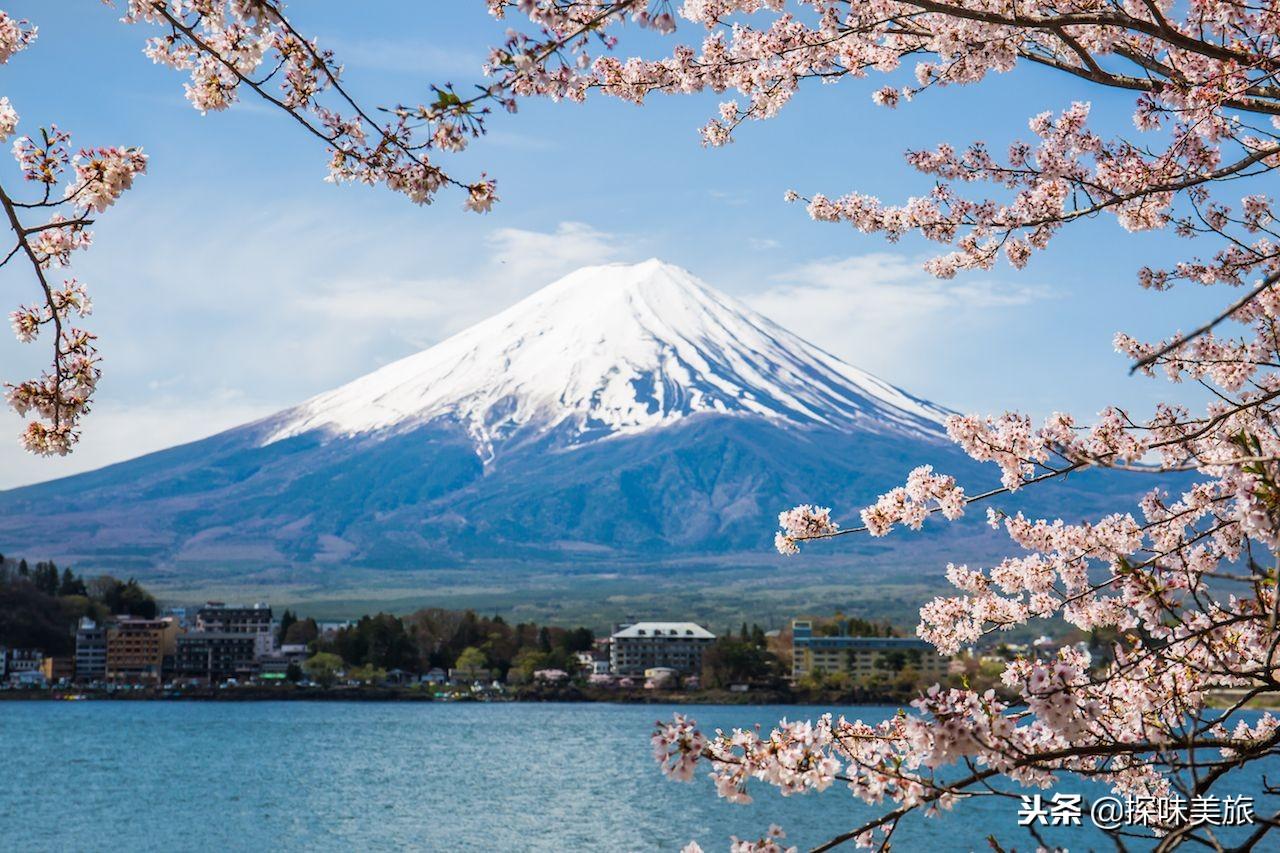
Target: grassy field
718,596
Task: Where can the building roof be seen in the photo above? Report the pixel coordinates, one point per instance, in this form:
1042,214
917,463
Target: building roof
198,636
665,629
840,642
136,622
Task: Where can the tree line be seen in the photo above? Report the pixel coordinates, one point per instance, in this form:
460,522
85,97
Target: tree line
40,605
446,639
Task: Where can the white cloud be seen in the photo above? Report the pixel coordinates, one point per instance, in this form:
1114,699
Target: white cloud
881,311
423,310
300,307
115,432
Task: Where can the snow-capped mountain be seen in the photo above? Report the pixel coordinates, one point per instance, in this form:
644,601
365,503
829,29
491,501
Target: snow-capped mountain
613,351
625,414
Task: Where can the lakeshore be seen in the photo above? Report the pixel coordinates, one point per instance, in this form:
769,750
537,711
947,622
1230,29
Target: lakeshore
371,693
569,695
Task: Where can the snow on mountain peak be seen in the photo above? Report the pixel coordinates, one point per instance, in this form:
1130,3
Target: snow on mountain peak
612,350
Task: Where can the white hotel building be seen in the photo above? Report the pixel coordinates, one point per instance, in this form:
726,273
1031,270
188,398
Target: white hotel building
645,645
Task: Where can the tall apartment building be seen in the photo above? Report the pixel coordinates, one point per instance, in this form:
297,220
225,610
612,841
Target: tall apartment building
861,657
253,620
91,651
646,645
215,655
136,648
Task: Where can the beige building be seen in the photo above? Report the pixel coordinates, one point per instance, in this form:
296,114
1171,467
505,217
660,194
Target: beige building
61,668
861,657
136,648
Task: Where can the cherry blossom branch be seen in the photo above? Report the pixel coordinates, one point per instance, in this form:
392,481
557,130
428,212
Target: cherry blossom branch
55,316
1266,284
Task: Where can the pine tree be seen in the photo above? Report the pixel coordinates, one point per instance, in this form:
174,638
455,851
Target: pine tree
287,619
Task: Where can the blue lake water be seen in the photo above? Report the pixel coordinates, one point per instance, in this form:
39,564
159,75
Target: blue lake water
386,776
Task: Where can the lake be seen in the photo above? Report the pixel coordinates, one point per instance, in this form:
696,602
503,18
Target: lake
387,776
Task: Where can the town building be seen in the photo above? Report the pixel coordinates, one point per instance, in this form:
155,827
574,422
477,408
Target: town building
861,657
58,668
19,663
28,678
295,652
273,667
550,676
470,675
215,655
661,677
253,620
179,614
91,651
646,645
398,677
136,648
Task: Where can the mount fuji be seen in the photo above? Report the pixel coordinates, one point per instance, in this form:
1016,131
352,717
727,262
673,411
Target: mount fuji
610,352
625,414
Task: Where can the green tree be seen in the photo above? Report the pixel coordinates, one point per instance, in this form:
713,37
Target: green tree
471,659
45,577
302,633
527,662
898,659
733,661
31,618
71,585
368,674
579,640
123,598
323,668
286,621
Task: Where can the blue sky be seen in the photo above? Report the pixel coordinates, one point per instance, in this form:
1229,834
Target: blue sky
232,281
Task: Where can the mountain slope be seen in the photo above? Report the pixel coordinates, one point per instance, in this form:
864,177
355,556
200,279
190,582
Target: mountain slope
622,415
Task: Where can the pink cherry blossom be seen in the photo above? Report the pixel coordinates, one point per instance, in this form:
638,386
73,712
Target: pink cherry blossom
1181,582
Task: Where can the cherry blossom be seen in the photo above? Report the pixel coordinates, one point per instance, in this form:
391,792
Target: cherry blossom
677,745
8,119
1185,582
15,35
228,49
58,399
